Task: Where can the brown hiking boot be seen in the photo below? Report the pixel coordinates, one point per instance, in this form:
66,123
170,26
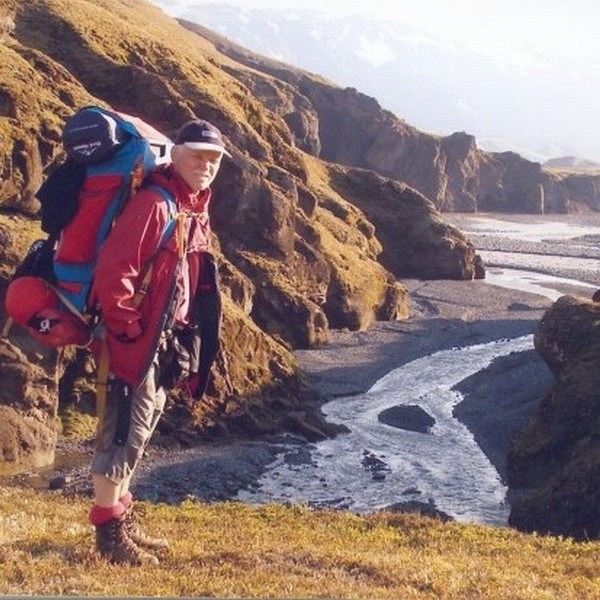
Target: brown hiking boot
113,544
136,535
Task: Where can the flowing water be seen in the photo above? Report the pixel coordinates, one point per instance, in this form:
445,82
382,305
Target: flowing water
376,465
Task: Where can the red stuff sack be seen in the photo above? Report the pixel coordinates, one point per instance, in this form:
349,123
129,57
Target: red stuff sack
34,304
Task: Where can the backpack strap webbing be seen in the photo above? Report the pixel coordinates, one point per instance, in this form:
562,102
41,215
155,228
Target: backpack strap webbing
102,382
72,308
7,326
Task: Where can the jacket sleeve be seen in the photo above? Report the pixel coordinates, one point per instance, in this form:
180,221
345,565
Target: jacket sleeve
124,259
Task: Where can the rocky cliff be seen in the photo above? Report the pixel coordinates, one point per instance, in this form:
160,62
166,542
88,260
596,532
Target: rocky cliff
303,244
347,127
556,460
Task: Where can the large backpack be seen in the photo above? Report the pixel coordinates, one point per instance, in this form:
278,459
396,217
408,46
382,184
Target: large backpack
107,160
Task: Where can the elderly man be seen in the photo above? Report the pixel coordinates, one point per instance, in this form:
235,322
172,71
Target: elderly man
150,288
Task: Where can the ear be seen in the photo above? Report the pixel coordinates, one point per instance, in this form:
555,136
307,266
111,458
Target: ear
175,152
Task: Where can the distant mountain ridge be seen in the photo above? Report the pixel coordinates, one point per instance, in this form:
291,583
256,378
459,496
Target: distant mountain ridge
436,85
345,126
572,163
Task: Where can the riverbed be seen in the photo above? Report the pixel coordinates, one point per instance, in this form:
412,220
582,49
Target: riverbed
455,465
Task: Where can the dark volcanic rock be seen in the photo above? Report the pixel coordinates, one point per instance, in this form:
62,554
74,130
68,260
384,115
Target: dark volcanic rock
557,457
409,417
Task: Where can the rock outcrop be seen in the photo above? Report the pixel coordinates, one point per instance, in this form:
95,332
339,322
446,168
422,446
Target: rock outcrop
28,406
555,461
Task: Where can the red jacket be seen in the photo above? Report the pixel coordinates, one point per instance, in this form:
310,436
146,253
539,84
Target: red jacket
134,328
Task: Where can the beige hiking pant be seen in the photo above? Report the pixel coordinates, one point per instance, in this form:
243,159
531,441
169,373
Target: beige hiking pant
128,424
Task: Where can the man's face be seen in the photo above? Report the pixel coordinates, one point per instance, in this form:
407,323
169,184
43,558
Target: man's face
197,168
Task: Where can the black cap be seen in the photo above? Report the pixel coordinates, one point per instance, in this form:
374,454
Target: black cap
201,135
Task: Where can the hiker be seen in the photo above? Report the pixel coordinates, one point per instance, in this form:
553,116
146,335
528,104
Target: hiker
160,306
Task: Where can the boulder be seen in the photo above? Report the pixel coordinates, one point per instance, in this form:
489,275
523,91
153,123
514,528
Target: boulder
28,405
409,417
555,461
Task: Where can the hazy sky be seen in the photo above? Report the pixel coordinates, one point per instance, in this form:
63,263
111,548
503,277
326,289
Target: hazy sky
568,25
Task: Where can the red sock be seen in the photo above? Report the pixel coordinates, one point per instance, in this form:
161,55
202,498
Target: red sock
102,514
126,500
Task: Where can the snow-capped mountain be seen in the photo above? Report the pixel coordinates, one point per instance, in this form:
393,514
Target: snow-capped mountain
533,102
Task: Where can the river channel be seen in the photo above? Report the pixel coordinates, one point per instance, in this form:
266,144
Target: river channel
375,465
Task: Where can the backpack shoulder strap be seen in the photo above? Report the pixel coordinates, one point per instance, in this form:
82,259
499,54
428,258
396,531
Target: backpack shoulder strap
167,232
173,214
